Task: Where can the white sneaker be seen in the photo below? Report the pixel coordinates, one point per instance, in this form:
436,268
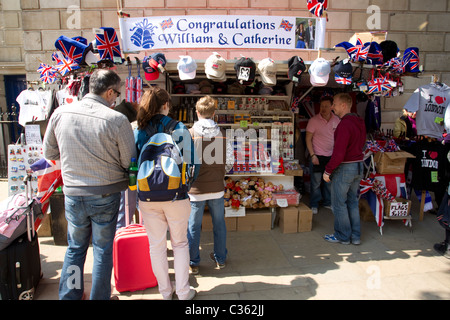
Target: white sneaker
314,210
190,295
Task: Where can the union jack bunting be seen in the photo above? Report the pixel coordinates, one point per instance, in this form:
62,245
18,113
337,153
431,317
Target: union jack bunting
342,80
71,49
317,7
108,45
166,24
286,25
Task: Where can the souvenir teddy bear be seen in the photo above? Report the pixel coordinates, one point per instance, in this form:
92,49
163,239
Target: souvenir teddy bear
235,201
227,197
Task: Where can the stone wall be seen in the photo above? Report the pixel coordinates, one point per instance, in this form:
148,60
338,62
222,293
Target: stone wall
30,27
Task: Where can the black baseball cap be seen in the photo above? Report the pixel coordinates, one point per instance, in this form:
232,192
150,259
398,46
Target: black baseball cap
245,71
296,68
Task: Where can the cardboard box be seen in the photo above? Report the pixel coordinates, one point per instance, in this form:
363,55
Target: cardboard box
399,209
304,218
288,220
207,225
365,212
391,162
255,220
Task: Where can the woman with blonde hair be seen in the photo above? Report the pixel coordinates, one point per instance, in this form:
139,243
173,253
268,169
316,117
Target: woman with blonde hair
173,214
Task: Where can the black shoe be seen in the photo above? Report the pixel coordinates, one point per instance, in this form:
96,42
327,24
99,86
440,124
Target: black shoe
442,248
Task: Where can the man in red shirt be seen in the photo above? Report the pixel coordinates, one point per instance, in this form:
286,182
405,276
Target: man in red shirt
345,170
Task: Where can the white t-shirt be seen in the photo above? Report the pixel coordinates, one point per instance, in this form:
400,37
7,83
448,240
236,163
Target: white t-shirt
430,102
64,97
34,105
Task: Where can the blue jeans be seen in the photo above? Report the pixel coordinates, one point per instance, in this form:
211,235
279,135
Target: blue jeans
319,189
217,210
86,216
344,201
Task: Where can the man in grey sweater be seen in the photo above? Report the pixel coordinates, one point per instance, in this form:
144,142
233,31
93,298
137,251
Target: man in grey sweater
95,145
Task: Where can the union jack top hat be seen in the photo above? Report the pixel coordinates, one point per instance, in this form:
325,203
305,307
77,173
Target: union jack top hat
108,45
73,49
411,60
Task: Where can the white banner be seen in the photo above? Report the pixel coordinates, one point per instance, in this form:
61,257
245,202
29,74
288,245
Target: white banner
275,32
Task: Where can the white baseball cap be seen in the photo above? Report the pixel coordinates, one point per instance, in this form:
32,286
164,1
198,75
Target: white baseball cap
187,68
319,72
268,71
215,67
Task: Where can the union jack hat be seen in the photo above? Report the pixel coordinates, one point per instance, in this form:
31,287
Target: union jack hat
108,45
411,60
73,49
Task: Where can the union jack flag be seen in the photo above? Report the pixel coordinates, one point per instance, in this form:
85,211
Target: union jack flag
56,57
379,85
361,51
47,73
286,25
166,24
45,69
69,51
49,179
108,44
396,65
342,80
66,66
358,52
317,7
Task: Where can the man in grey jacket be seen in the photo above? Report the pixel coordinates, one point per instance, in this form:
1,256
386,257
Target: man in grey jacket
95,145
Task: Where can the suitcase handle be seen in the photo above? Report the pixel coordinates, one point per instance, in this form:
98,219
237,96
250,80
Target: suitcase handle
18,282
30,215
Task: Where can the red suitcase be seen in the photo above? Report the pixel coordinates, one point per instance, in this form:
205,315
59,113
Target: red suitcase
131,257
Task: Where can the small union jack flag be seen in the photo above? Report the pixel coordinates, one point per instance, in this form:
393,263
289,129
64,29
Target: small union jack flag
166,24
343,80
317,7
286,25
108,44
45,69
66,66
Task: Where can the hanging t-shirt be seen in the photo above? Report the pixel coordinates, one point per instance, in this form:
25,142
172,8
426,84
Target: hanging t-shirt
65,97
430,102
34,105
430,165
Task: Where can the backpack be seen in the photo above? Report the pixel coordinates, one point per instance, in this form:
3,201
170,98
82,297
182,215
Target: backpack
163,175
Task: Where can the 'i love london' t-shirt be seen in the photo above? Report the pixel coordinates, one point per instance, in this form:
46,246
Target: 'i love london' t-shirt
430,102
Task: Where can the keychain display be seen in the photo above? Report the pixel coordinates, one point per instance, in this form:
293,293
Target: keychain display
20,159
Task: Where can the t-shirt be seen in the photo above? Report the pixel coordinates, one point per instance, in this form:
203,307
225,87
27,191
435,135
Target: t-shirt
64,97
430,102
323,134
429,166
34,105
